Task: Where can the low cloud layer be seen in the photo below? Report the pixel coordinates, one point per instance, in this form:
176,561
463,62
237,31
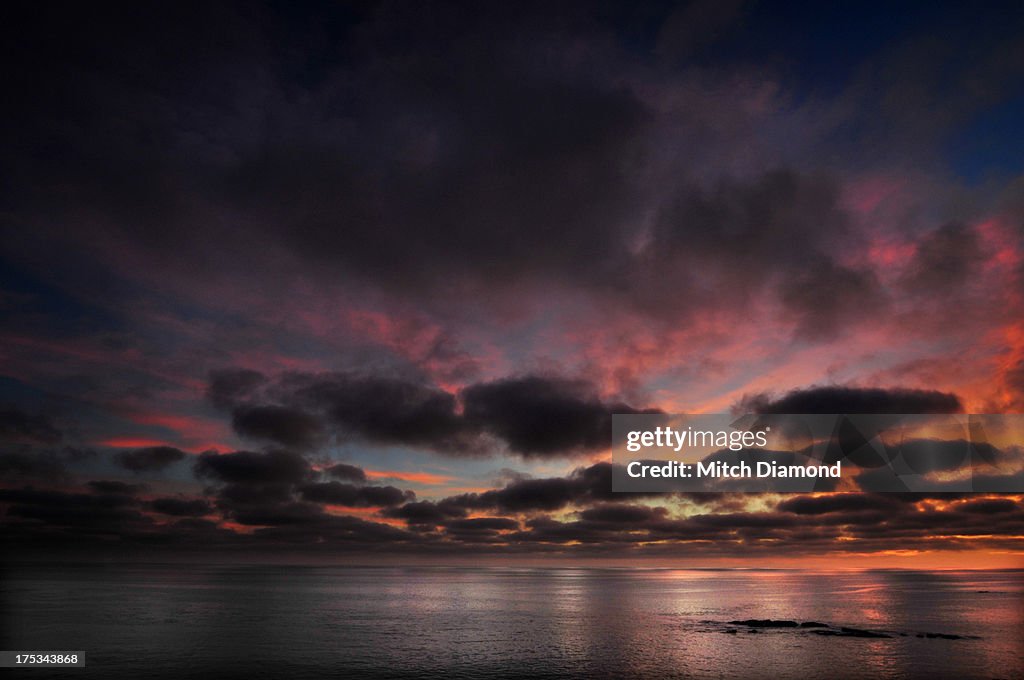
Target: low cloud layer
573,515
841,399
150,459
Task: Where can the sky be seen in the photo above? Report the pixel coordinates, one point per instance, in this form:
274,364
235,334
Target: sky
366,281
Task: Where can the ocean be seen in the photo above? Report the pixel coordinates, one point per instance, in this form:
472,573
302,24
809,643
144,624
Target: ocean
180,621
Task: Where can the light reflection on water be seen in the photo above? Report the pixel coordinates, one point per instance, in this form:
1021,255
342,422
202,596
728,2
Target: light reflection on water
302,622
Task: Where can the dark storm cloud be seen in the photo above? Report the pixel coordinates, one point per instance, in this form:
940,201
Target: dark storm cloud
115,487
528,495
42,463
149,459
249,494
825,298
18,426
277,489
281,514
255,503
945,259
618,513
382,409
989,506
584,486
931,455
350,473
476,131
278,424
775,229
479,529
542,416
103,510
36,465
181,507
75,454
481,524
853,400
229,387
426,512
352,496
412,140
534,415
844,502
497,148
247,467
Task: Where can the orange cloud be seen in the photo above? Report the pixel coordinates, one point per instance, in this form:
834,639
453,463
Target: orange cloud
132,443
414,477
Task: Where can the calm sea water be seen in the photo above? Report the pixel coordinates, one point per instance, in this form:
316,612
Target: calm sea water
329,622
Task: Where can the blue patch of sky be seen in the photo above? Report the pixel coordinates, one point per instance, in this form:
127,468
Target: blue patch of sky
28,299
991,146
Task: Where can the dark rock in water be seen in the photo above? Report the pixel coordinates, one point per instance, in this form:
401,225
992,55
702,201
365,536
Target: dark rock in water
819,628
851,632
857,632
942,636
765,623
